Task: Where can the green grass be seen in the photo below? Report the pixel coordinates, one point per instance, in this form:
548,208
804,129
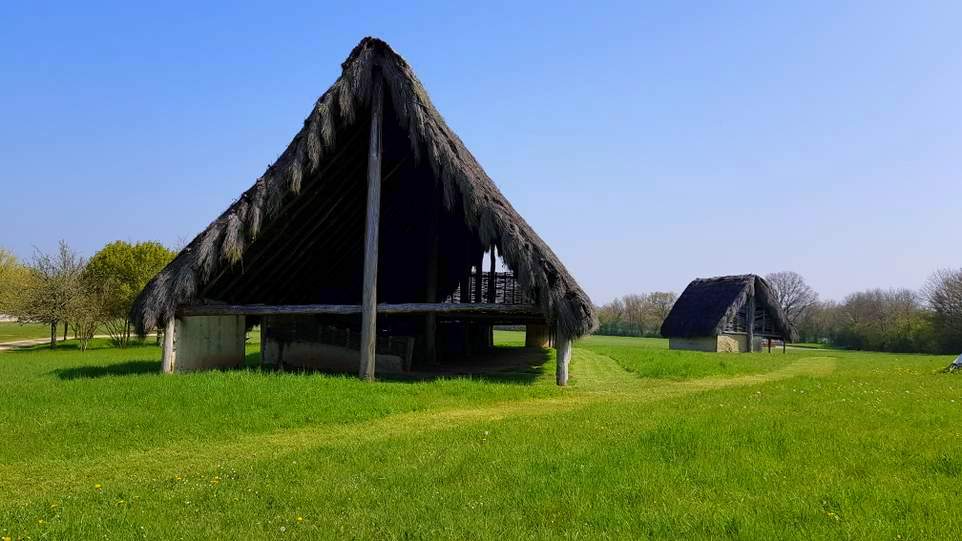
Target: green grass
646,442
12,331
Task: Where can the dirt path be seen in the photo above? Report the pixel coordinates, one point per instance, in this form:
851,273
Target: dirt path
6,346
600,380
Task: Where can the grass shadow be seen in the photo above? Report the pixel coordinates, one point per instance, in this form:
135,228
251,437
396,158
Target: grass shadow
130,368
511,365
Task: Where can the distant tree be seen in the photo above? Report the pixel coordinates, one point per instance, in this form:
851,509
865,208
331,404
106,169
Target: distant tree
53,287
660,304
14,279
885,320
943,293
120,271
636,314
792,294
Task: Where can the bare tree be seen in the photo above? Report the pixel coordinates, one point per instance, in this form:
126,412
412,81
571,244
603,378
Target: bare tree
943,292
54,287
792,294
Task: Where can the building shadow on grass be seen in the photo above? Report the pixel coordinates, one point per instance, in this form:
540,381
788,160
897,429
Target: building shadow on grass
129,368
511,365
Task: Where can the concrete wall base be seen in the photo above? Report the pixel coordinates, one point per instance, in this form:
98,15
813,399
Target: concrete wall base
209,342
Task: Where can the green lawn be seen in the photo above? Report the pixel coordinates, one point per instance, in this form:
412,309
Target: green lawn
11,331
645,442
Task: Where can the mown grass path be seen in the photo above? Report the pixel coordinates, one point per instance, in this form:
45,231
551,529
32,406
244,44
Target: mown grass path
645,443
600,379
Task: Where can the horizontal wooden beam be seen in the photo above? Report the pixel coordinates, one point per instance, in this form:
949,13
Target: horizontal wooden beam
349,309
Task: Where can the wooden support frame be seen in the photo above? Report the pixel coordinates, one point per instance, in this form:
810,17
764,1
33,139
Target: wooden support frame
750,323
492,278
168,358
563,350
485,309
371,230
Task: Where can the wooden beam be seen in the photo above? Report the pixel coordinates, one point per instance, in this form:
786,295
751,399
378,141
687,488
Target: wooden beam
750,322
167,361
354,309
371,229
564,358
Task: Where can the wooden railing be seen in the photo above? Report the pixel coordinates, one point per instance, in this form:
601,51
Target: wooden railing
506,290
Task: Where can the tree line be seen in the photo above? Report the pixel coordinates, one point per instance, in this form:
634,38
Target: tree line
62,289
928,320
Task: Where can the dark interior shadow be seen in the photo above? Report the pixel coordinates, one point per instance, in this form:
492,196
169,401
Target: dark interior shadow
512,365
130,368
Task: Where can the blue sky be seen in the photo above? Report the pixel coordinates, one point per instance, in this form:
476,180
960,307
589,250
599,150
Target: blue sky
649,144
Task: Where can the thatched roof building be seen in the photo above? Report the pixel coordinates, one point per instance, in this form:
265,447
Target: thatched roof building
712,315
375,188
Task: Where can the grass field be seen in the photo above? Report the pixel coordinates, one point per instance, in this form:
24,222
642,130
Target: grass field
11,331
644,443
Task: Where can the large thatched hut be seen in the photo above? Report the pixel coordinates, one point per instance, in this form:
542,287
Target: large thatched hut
712,314
370,241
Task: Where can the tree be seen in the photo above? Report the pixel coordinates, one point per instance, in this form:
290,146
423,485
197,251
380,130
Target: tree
636,315
14,280
792,294
120,271
943,293
54,285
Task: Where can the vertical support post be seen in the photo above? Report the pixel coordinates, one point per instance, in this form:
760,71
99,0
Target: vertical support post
769,344
564,358
369,300
167,361
264,326
478,286
750,322
492,276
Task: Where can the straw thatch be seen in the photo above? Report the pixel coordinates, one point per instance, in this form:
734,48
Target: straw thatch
279,242
707,304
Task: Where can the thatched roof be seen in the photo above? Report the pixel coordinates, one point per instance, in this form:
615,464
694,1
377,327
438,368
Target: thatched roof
707,304
296,235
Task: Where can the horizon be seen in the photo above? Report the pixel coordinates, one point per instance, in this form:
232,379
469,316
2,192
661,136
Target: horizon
642,142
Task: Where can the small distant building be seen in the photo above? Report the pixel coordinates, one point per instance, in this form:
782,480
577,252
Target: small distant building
712,314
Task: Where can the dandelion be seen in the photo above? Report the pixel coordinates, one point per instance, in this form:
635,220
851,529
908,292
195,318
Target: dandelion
300,519
98,486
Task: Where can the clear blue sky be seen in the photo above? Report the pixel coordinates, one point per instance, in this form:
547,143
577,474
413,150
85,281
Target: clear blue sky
647,143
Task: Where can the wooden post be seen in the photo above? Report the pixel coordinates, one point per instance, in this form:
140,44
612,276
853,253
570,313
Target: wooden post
478,286
492,276
769,344
263,340
369,301
167,361
564,357
750,322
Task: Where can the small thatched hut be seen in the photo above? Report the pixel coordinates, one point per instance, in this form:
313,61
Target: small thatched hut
712,314
375,231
